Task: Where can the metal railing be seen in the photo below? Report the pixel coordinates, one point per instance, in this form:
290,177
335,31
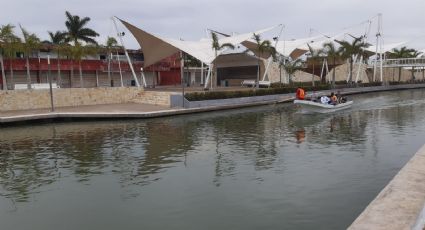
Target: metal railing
400,62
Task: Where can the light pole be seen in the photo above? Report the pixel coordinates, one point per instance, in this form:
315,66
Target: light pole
50,84
182,74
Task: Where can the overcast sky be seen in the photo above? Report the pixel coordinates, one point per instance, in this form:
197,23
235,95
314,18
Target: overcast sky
188,19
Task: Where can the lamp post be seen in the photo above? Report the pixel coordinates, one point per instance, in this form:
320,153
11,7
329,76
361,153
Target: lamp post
50,84
182,55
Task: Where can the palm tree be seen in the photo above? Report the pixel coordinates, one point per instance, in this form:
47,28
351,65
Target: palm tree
3,75
8,42
31,43
263,47
110,44
349,50
11,44
331,52
315,55
216,46
76,30
58,40
403,52
291,67
282,63
77,53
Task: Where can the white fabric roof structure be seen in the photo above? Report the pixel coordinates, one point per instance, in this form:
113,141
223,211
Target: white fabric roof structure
287,48
385,48
296,48
156,48
422,53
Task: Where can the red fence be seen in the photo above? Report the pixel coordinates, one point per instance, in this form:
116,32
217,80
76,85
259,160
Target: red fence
86,65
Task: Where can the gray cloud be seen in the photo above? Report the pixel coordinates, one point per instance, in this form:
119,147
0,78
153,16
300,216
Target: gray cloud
188,19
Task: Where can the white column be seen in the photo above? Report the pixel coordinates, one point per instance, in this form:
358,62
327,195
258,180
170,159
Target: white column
126,54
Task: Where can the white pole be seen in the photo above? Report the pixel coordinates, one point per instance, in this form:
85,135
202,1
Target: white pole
212,75
126,54
119,67
143,77
358,69
202,73
376,60
3,73
208,76
271,59
49,76
323,69
97,78
327,69
380,44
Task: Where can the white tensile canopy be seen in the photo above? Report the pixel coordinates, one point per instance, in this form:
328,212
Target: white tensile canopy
385,48
421,53
156,48
294,48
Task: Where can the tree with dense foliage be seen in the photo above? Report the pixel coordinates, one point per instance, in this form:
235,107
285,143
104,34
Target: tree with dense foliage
30,44
292,66
111,43
348,50
58,39
331,52
403,52
77,30
315,55
216,46
10,44
263,47
77,53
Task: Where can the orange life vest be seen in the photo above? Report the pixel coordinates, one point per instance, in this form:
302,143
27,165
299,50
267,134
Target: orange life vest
300,94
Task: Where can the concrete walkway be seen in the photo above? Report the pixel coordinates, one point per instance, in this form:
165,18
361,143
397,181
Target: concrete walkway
111,108
128,110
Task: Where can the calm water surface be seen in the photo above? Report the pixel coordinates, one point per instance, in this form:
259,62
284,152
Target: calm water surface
259,168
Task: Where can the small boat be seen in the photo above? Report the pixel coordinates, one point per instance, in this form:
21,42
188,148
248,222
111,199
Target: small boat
317,107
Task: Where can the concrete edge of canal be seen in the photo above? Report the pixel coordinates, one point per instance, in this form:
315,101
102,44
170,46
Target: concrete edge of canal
49,116
125,114
401,204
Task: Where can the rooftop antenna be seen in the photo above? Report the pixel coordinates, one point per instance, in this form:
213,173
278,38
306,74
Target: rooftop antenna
120,34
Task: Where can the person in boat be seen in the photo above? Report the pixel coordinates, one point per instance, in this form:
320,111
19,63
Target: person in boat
324,100
300,94
333,99
340,98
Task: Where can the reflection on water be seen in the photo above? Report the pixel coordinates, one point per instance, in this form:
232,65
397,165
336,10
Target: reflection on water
265,167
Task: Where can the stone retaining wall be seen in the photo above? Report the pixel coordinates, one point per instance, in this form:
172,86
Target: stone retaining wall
40,99
153,98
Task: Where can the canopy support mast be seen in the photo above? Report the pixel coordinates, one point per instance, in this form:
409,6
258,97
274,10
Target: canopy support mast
126,53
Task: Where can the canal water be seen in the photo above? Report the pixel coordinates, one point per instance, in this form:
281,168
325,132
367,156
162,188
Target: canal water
257,168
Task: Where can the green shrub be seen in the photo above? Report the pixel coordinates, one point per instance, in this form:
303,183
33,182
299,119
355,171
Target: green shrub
213,95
